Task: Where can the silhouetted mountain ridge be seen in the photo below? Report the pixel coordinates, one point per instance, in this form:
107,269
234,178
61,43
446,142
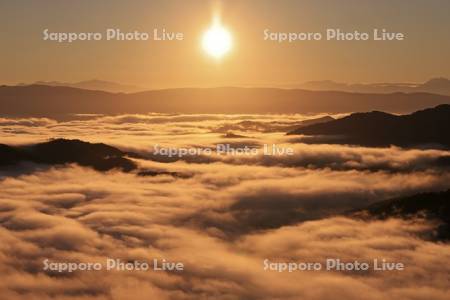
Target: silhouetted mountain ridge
98,156
426,205
61,151
94,84
58,102
429,126
439,85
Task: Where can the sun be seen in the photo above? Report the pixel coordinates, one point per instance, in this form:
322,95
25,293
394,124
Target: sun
217,41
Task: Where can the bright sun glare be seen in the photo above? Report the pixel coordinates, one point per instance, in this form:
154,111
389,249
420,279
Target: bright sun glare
217,41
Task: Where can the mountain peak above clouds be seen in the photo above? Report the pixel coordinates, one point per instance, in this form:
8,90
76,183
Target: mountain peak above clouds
425,127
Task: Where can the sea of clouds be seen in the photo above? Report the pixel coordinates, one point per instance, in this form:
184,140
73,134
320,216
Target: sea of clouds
222,218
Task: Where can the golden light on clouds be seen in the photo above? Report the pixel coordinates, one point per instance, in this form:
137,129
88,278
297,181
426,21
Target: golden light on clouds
217,40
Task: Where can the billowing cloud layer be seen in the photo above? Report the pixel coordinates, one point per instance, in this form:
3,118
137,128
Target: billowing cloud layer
221,220
142,133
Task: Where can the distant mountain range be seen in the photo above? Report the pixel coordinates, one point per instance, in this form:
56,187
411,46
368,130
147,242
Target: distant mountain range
59,101
98,85
429,126
434,86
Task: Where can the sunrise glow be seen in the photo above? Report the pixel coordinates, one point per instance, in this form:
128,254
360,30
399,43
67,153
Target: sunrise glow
217,41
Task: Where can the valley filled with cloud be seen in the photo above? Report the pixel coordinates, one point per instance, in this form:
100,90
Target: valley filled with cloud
220,214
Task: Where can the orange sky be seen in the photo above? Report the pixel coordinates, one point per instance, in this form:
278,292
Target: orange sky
26,57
